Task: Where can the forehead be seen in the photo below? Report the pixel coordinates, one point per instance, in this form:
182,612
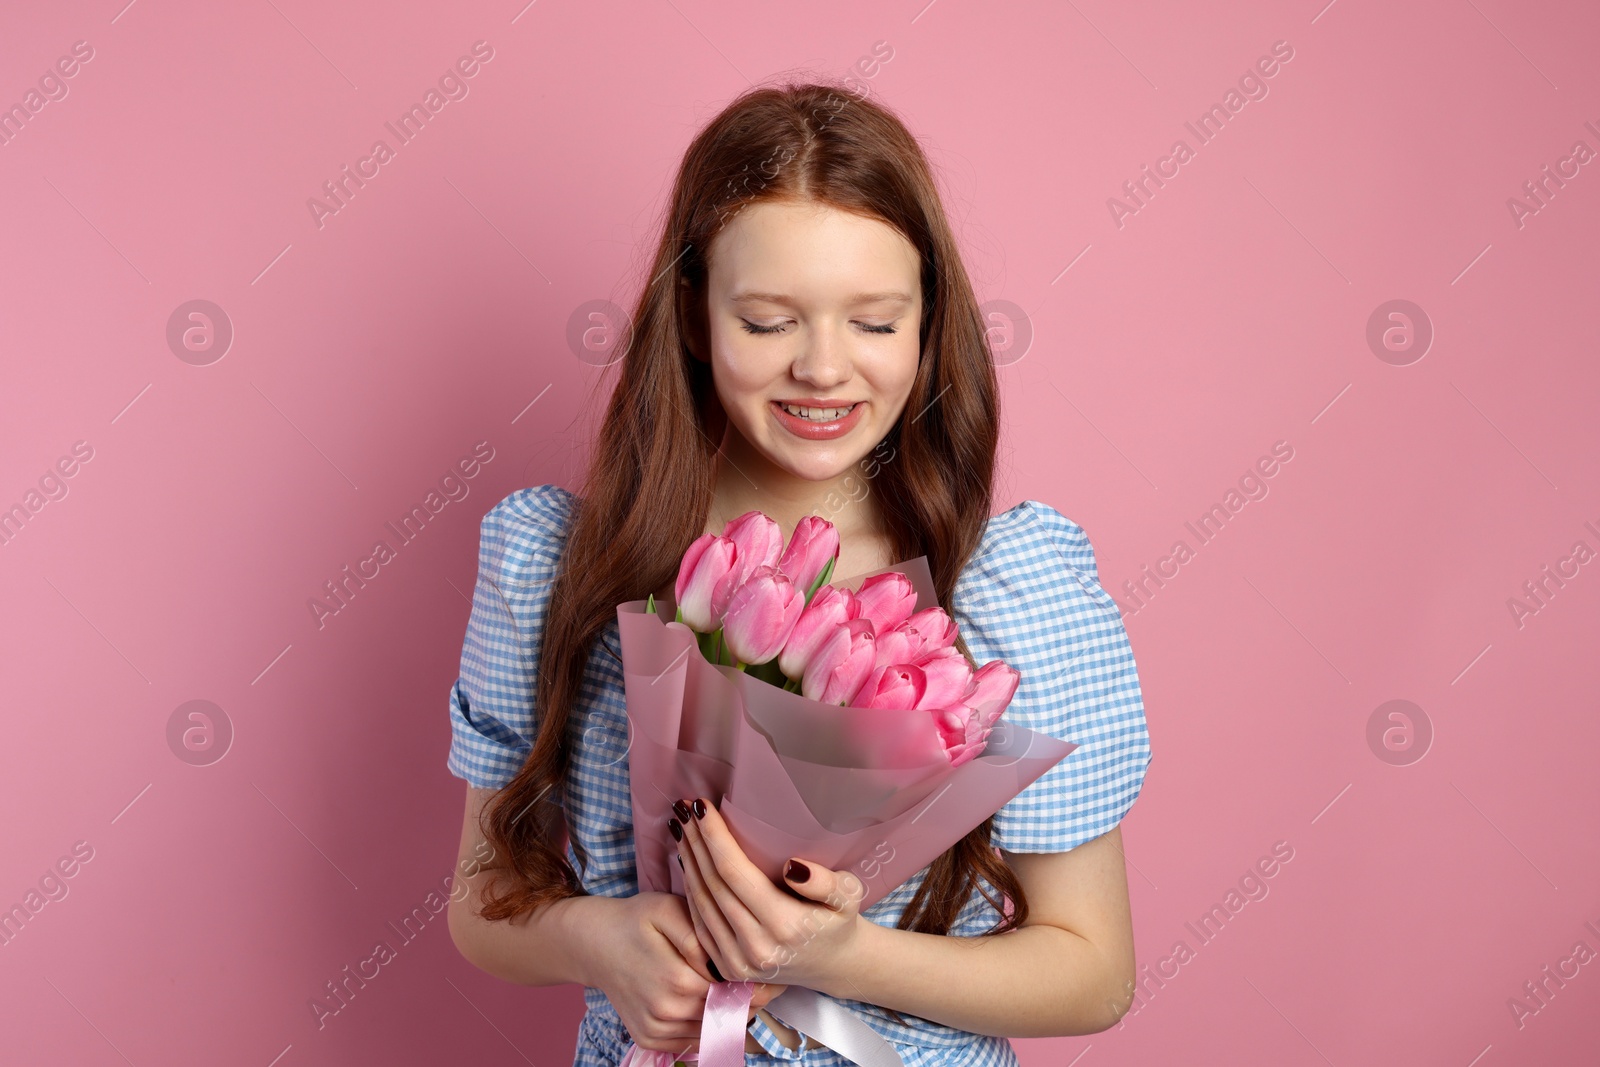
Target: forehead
793,252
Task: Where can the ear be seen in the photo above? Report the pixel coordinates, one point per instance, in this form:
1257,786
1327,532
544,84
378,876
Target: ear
693,318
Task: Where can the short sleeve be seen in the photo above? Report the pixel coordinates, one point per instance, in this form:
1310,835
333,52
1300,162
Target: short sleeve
492,718
1031,597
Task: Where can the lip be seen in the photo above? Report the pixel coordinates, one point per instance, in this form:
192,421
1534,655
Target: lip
816,431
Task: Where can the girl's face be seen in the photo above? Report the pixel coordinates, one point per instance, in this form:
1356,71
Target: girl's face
810,310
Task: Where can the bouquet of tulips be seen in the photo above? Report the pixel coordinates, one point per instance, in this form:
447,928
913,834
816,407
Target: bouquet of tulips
764,607
835,722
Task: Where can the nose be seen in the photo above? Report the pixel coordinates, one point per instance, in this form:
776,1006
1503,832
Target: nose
823,360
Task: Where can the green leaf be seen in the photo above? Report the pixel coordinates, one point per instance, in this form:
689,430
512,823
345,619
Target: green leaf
650,605
680,615
822,579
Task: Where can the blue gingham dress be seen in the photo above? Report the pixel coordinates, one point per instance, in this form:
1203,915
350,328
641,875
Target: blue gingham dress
1030,595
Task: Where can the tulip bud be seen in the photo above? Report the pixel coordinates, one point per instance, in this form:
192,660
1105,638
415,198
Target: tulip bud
950,680
994,686
836,669
900,645
936,629
887,599
708,561
891,686
761,614
814,542
830,607
757,541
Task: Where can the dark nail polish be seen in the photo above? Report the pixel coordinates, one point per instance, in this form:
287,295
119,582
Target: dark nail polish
682,809
676,828
713,968
679,859
797,872
699,808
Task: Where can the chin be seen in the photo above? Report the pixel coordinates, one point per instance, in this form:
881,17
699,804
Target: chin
814,469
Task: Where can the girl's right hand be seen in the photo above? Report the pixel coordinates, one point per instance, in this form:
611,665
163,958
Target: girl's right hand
653,969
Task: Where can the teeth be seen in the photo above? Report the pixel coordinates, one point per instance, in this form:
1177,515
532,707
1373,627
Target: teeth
818,414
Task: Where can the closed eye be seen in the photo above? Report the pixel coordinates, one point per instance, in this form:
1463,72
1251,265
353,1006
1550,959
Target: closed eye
751,327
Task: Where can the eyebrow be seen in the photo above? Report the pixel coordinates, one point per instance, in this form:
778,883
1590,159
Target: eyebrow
750,296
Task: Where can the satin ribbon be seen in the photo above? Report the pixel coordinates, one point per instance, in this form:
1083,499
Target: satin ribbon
723,1026
722,1030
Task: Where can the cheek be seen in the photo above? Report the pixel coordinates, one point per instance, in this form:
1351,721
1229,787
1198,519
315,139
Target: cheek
743,372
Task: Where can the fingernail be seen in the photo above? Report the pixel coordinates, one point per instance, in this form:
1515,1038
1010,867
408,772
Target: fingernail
676,828
682,809
679,859
714,972
699,808
797,872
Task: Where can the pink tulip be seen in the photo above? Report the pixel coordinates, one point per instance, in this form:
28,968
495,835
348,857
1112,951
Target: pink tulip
964,735
900,645
994,686
950,681
936,628
708,561
835,671
887,599
830,607
758,541
893,685
814,542
928,633
964,727
761,615
951,723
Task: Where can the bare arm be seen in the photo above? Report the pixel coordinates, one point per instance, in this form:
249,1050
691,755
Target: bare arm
1068,970
541,951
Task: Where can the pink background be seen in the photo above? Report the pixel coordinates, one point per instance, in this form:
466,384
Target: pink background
1227,314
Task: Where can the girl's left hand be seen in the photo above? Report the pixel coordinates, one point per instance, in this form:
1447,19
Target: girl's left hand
752,929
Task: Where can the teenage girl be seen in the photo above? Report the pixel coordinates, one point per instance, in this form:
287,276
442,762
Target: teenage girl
808,343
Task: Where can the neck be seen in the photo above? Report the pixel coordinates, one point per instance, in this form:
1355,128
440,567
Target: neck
747,481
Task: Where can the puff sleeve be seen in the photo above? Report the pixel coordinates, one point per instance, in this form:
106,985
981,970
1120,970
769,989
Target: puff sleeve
1031,596
493,722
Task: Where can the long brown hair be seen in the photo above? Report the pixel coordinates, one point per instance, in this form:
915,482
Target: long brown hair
650,480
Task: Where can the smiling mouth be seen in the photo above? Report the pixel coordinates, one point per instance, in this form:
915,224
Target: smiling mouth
817,414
